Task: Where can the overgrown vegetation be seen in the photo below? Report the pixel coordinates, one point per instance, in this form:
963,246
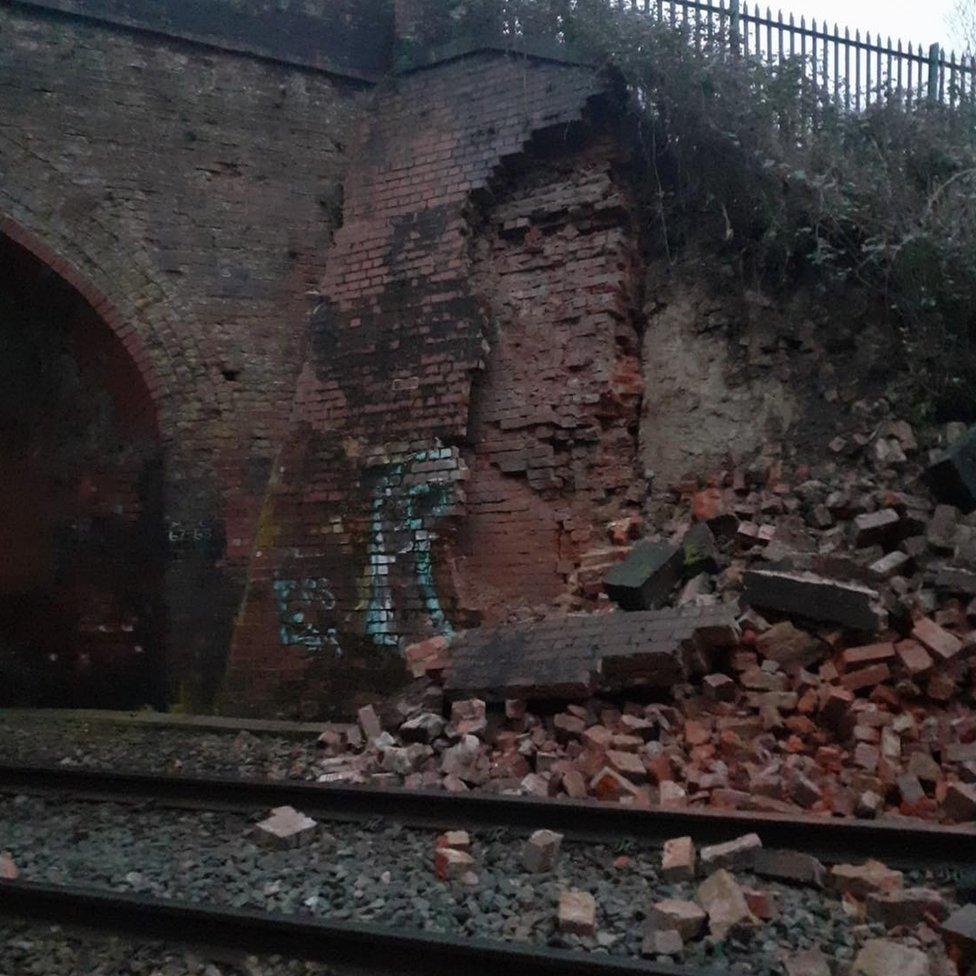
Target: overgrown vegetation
793,191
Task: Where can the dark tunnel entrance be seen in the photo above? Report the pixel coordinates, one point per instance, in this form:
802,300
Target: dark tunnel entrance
81,524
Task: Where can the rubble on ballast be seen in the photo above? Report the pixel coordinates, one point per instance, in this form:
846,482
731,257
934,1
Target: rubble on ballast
802,642
959,931
285,828
822,663
709,701
577,913
541,851
8,867
679,859
749,919
881,957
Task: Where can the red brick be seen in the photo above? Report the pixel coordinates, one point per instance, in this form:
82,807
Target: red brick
938,640
866,677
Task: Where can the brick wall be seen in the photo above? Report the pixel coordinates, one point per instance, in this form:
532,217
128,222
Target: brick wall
554,413
189,195
452,449
352,38
444,441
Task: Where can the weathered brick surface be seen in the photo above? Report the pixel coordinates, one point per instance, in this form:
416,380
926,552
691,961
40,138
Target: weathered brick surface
448,449
462,429
189,195
349,37
552,414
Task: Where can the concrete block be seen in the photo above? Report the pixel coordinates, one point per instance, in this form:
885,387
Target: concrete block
816,598
645,579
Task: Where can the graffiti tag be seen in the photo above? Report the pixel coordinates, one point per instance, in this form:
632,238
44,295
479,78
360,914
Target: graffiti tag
404,505
301,605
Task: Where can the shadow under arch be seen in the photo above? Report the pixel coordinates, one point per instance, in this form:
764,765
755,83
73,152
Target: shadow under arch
82,536
13,233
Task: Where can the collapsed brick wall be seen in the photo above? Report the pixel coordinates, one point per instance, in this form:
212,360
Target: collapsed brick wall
466,421
189,195
353,551
555,413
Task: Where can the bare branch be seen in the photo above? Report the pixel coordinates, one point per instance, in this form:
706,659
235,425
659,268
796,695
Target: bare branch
962,20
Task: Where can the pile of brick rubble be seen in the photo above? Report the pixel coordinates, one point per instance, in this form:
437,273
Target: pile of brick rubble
792,638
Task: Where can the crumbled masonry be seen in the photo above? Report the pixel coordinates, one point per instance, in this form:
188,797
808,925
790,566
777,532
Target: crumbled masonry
353,381
285,828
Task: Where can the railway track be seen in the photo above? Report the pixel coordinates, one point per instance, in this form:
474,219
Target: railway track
378,948
902,844
372,948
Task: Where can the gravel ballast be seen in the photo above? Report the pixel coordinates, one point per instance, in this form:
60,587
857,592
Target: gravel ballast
383,873
28,949
103,745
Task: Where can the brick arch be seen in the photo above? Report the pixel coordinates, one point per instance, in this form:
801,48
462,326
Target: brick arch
183,414
148,320
103,306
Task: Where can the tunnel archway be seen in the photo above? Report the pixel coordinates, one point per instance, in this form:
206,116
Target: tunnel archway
82,540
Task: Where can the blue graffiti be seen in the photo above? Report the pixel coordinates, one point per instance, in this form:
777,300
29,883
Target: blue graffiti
405,512
300,604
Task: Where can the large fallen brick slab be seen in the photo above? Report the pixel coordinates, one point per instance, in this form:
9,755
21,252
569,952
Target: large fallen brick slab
550,659
645,579
664,646
814,597
574,656
952,477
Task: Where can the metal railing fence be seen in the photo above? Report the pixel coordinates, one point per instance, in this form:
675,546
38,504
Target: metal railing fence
854,71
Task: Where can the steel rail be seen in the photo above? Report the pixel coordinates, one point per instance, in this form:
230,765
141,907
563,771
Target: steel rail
901,843
374,947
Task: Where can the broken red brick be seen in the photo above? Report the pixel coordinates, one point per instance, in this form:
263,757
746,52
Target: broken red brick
8,869
627,764
574,784
960,801
905,906
866,677
939,641
862,880
725,903
869,654
427,656
456,840
678,860
568,727
734,854
541,851
836,708
763,904
577,913
719,687
684,917
369,722
610,785
451,864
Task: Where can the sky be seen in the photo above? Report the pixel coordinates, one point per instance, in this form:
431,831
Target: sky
924,21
